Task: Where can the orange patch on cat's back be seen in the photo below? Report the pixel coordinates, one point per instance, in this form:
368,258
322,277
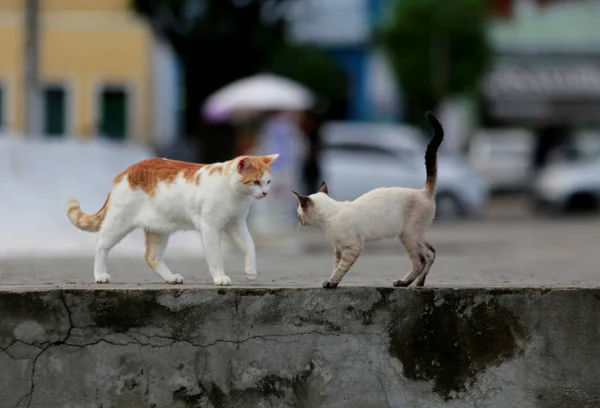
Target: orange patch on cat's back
228,167
256,171
148,173
215,169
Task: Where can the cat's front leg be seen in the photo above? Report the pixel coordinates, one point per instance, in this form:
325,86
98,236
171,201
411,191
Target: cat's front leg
238,232
349,255
337,256
211,239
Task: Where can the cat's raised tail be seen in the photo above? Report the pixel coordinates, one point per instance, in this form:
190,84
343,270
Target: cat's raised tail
84,222
432,152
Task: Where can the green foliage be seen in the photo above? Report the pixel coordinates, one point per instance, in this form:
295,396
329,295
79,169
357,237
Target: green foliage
216,41
309,66
437,48
228,38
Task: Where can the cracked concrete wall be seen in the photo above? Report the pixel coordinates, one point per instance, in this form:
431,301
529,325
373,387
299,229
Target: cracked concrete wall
351,347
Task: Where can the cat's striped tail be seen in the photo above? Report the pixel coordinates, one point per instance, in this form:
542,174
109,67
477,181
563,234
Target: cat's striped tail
432,152
90,223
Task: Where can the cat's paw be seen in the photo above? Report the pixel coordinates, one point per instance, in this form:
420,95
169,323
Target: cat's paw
102,278
223,281
250,275
175,279
329,285
400,283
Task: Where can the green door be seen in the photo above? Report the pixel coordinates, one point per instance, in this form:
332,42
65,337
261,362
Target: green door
55,111
113,113
2,118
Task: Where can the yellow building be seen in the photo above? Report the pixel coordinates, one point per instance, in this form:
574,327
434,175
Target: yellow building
102,72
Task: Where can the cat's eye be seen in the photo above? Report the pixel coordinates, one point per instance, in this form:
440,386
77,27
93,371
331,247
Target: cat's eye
269,182
256,182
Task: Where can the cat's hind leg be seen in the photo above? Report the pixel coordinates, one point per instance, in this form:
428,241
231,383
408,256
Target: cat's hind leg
429,252
412,245
348,256
110,234
156,243
337,257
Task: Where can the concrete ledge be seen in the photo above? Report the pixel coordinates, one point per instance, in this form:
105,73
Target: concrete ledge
299,347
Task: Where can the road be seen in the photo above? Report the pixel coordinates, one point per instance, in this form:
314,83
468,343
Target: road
515,251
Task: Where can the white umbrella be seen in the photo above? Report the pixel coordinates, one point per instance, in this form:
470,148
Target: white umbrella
255,93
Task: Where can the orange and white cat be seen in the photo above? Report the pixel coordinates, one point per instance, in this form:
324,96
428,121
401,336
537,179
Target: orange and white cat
164,196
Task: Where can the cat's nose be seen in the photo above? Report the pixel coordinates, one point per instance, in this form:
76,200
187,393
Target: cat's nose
264,193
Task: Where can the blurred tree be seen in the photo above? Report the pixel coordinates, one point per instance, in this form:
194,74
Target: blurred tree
311,67
319,72
216,42
437,48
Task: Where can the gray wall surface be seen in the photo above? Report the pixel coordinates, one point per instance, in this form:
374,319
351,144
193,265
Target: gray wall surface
127,347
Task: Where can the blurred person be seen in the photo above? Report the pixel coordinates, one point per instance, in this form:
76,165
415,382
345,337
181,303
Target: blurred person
312,122
247,129
281,133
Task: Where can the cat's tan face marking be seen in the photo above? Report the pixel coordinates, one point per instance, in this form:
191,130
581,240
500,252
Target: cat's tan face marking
307,210
255,174
253,169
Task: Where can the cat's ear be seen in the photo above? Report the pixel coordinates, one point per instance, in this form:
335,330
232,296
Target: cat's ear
270,158
243,165
305,201
323,188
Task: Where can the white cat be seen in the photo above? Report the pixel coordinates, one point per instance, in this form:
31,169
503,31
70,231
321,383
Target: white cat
164,196
380,213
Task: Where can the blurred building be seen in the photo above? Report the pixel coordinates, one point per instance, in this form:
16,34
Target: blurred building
102,72
546,73
547,66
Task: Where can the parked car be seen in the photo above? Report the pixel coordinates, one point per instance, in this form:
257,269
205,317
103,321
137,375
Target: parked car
359,157
584,144
568,186
503,158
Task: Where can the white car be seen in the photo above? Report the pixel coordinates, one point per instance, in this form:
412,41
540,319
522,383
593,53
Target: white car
360,157
584,144
503,157
569,186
